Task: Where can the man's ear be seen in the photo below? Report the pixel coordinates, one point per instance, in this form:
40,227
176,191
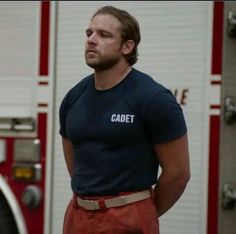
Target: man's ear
127,47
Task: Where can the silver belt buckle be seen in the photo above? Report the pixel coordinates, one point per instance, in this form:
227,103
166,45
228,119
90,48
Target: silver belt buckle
115,202
123,200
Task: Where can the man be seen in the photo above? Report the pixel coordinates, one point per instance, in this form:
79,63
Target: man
118,126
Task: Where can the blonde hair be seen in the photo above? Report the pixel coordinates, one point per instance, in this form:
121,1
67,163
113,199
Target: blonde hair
129,29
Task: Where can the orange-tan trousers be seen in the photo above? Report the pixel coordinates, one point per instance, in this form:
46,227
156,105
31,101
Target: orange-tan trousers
136,218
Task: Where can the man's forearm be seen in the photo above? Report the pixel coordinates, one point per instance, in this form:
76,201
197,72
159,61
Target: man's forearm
68,154
168,190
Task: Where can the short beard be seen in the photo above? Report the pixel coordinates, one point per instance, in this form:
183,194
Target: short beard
105,64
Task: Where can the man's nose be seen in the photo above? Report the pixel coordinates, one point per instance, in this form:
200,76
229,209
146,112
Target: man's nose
92,39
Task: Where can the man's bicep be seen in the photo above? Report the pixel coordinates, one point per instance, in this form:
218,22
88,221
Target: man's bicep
174,155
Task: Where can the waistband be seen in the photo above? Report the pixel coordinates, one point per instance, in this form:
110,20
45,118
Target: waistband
122,200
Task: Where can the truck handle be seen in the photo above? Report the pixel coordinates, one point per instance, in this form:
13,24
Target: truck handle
229,111
231,24
228,197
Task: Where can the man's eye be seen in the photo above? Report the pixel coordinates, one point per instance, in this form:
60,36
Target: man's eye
104,34
88,33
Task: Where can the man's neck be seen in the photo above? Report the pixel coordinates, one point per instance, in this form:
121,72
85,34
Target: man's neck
108,78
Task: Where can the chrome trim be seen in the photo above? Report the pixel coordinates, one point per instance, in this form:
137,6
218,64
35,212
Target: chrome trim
2,151
27,150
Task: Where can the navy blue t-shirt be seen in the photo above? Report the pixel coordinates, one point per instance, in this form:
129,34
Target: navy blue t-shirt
113,133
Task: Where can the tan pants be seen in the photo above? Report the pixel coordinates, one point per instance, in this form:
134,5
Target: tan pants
136,218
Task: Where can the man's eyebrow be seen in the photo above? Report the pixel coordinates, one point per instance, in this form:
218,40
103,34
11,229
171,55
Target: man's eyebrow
104,31
88,30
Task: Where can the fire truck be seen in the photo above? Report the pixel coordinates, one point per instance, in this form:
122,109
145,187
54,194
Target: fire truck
189,47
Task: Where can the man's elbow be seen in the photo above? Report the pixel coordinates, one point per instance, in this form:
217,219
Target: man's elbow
183,178
177,177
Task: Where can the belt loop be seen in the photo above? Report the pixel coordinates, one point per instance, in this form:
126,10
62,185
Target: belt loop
101,204
74,201
153,194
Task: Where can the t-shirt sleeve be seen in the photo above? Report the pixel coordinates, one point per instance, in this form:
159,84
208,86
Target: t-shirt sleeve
165,119
67,103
